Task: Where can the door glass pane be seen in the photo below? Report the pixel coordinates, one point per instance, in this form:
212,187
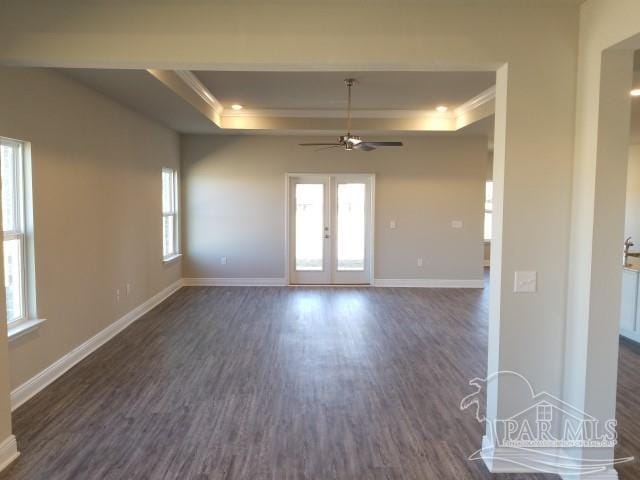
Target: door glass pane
309,226
13,279
351,226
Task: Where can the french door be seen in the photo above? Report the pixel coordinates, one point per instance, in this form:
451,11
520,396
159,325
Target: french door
330,227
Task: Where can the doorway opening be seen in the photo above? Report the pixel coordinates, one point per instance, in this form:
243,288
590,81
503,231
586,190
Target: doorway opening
627,409
330,229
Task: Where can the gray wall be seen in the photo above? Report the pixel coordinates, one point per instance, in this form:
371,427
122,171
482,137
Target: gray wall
97,209
235,194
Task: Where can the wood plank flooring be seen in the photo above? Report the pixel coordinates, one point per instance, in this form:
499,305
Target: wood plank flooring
628,409
257,383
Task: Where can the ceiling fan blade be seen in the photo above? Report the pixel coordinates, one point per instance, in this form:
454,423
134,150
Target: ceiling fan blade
319,144
325,148
364,147
384,144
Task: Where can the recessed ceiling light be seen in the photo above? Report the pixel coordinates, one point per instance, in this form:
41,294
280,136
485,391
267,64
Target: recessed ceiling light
442,109
635,92
236,106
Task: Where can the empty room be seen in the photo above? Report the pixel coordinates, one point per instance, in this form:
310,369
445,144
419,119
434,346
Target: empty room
319,240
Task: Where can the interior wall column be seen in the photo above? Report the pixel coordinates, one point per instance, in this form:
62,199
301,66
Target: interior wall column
595,273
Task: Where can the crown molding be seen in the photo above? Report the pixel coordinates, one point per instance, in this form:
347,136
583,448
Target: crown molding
325,113
469,112
487,96
203,92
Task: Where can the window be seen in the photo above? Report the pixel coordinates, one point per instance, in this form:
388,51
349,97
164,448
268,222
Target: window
13,228
170,241
488,210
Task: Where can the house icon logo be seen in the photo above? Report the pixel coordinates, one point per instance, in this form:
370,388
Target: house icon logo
543,436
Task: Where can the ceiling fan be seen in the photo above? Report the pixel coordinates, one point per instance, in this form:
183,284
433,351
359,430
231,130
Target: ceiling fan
348,141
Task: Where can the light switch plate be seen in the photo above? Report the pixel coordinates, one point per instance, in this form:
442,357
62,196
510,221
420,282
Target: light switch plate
223,260
392,224
525,282
419,263
456,223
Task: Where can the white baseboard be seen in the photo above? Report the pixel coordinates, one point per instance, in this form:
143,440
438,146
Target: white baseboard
608,474
8,451
378,282
32,386
235,282
630,334
510,460
427,283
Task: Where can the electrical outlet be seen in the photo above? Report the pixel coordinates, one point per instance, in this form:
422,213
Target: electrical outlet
117,295
223,260
419,262
456,224
128,289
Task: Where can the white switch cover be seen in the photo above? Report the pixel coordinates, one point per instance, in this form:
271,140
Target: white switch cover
419,262
525,282
456,223
223,260
392,224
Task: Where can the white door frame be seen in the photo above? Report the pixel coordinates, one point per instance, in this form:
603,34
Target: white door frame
287,218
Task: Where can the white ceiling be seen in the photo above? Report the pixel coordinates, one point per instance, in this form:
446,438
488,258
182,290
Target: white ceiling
326,90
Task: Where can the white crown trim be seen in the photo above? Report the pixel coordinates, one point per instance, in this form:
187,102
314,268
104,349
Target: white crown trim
336,113
198,87
487,96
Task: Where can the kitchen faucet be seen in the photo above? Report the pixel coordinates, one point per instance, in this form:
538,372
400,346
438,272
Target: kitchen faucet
627,245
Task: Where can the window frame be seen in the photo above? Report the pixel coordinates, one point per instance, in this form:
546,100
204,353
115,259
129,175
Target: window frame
19,232
174,212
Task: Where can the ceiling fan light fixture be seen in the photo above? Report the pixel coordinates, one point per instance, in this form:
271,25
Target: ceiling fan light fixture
236,107
351,142
442,108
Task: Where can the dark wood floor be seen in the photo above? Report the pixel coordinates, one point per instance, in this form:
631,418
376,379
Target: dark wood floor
276,383
628,410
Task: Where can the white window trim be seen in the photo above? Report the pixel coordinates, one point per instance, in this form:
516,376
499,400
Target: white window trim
23,326
19,233
172,258
175,213
28,322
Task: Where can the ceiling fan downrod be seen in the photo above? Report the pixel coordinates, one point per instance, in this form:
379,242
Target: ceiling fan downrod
349,82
